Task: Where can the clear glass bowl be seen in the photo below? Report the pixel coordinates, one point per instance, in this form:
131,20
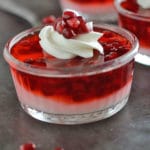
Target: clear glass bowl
77,94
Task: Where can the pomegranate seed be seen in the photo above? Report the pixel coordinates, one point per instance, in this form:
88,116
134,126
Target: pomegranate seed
111,55
68,14
60,25
83,27
73,23
56,21
59,148
28,146
48,20
68,33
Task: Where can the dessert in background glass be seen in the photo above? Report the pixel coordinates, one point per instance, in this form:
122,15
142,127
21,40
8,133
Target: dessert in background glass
95,10
134,15
76,90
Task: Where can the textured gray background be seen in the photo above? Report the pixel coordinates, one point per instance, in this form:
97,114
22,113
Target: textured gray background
128,130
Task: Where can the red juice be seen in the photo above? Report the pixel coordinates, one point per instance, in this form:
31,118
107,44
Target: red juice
75,86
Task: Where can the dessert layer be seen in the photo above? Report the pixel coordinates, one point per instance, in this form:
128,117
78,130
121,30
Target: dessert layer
76,89
50,105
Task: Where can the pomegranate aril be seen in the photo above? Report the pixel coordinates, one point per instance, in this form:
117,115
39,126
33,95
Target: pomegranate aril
39,61
49,20
73,23
68,33
111,55
113,49
28,146
82,26
56,22
60,26
29,61
68,14
122,50
134,6
59,148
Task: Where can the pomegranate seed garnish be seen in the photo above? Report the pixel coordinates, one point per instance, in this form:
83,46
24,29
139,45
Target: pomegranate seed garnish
68,33
69,25
73,23
111,55
28,146
83,26
49,19
56,21
60,26
68,15
59,148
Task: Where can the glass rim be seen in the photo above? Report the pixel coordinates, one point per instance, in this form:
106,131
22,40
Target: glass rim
93,69
128,13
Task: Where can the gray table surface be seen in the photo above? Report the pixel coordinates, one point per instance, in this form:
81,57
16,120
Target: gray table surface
128,130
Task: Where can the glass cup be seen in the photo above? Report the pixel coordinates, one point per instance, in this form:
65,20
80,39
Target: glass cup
71,94
95,10
135,21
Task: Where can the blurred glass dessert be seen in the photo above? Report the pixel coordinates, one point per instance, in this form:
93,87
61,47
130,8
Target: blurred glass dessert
134,15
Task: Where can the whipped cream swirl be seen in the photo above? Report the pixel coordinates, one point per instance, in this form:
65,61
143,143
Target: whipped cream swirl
144,3
60,47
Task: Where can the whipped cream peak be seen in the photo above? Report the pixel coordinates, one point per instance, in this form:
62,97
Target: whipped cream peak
57,45
144,3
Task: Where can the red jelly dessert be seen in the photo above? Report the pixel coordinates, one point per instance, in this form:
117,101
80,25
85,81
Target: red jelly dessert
136,18
76,90
97,10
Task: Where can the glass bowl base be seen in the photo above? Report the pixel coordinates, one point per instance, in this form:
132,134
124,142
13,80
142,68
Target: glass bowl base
72,119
